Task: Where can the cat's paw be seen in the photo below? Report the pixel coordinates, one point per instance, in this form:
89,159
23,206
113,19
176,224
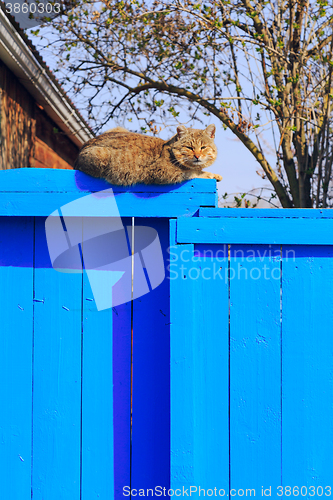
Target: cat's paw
209,175
217,177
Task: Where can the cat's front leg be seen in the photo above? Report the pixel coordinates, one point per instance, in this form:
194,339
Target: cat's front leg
206,175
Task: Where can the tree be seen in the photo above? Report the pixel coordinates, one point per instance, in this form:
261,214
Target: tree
259,67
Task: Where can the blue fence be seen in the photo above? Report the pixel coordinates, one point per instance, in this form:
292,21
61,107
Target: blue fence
220,378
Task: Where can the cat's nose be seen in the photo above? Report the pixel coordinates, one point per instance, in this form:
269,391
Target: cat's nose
196,155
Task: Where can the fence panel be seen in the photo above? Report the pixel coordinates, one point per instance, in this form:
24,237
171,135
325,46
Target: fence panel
199,369
16,341
307,368
255,367
57,377
281,406
121,328
97,399
122,353
151,367
231,382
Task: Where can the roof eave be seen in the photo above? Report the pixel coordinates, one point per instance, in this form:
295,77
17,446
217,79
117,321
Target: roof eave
31,74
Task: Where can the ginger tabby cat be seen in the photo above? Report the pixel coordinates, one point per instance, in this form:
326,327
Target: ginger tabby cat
126,158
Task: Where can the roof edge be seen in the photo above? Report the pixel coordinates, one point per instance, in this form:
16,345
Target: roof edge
17,54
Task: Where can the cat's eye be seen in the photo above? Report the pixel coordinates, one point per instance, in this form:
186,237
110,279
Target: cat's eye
203,147
189,147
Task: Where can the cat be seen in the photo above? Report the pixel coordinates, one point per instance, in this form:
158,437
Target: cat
126,158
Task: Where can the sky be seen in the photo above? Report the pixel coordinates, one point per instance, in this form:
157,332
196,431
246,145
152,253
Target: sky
234,163
237,166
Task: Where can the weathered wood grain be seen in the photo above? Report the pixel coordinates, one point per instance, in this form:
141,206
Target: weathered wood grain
232,361
122,396
28,135
40,192
57,378
255,368
16,356
151,374
47,180
97,398
199,368
161,205
297,231
267,213
307,367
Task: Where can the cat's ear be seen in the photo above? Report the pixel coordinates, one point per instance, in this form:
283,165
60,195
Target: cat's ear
210,131
181,131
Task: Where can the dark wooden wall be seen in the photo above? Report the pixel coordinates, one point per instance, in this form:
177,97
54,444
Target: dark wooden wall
27,134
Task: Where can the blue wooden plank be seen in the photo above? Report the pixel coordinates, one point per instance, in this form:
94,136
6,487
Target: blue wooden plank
199,369
271,213
57,378
122,397
182,390
129,204
151,373
172,233
307,364
97,400
16,340
105,387
255,231
255,368
39,180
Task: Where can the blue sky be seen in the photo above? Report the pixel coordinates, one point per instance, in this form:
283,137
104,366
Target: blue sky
234,162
